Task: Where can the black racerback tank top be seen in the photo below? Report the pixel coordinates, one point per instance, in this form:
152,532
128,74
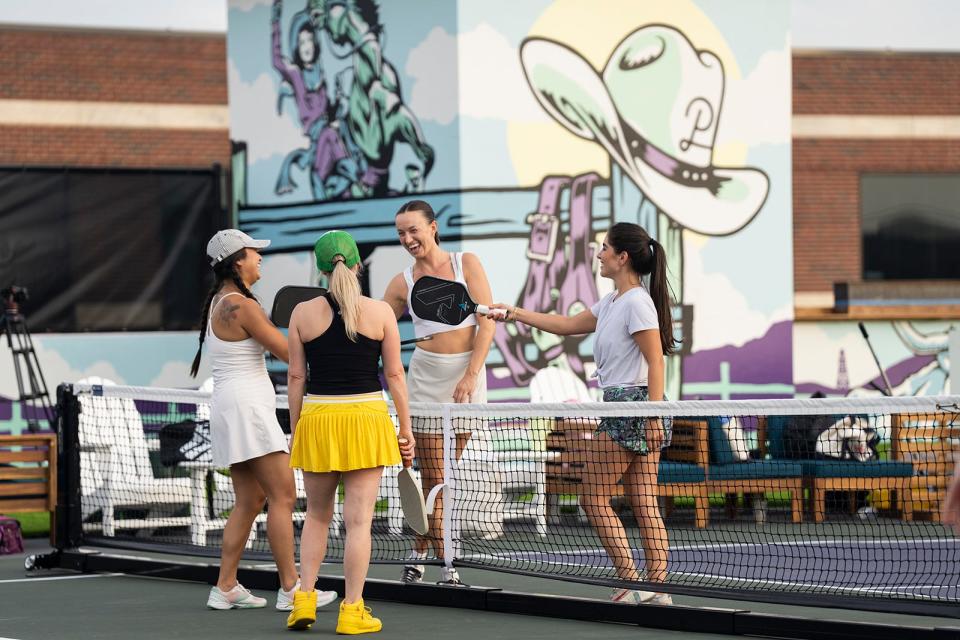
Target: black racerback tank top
338,366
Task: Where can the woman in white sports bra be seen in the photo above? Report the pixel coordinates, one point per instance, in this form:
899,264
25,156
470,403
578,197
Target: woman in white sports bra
447,368
244,429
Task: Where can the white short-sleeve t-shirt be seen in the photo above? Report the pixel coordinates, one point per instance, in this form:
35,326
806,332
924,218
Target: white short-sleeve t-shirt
619,360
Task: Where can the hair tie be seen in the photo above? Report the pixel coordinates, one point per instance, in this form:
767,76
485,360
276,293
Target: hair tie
652,242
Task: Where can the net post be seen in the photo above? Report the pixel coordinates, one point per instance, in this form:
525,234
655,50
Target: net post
67,530
451,528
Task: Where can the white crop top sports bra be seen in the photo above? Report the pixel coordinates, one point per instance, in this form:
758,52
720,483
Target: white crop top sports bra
423,327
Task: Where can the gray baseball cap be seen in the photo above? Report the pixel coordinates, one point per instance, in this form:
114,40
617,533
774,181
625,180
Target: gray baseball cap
228,241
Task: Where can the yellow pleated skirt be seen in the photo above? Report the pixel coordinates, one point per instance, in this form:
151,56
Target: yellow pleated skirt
344,433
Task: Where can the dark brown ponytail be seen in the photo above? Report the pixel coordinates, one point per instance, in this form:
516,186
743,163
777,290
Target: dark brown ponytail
648,258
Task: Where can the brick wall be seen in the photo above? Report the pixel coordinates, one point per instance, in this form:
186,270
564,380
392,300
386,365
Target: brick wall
876,83
113,66
97,147
826,172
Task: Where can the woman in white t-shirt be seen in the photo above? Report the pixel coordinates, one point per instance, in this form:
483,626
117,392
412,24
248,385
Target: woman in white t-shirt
633,333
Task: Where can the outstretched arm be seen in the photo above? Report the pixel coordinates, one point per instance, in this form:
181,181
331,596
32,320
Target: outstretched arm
583,322
254,320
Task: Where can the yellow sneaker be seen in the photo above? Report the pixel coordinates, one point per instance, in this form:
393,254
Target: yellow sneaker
304,612
356,618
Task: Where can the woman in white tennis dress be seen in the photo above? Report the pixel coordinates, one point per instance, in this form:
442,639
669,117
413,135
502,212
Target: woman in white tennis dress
246,435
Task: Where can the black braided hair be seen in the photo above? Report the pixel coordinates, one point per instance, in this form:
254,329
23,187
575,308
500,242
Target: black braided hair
223,271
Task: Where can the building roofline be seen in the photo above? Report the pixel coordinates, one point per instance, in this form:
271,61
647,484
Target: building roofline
124,31
812,52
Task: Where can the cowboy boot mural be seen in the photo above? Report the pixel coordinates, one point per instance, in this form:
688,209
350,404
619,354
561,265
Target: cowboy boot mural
560,279
654,109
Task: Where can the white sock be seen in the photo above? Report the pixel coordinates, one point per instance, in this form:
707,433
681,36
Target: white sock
417,555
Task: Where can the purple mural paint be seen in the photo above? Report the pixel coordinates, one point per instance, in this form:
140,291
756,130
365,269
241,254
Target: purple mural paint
761,368
897,374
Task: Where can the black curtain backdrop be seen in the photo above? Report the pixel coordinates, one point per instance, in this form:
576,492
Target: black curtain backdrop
108,250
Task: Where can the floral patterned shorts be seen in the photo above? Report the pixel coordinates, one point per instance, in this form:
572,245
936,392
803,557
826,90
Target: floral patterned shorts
631,433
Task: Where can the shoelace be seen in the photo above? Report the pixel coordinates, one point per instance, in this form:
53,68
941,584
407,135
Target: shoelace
243,590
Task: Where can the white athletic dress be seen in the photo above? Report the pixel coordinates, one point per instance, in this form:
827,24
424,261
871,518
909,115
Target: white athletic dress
243,411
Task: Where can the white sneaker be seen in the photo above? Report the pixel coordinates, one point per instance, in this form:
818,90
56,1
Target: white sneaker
450,577
236,598
412,574
285,598
632,596
661,599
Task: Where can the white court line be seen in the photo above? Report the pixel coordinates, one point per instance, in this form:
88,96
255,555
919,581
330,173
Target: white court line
763,582
86,575
908,589
834,588
838,542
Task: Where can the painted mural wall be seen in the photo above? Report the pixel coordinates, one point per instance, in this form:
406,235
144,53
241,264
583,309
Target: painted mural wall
531,128
834,359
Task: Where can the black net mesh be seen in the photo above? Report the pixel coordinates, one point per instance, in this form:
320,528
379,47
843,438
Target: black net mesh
833,498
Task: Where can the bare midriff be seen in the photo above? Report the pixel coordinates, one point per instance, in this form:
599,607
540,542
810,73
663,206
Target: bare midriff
456,341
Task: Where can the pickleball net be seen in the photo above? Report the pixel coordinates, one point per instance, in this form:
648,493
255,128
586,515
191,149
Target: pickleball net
796,501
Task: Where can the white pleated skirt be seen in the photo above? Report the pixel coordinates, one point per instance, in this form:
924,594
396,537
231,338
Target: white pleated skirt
243,421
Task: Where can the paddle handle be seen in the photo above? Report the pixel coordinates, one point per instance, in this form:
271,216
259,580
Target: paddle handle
406,463
484,310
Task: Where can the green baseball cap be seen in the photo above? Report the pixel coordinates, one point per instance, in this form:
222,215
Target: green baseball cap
333,244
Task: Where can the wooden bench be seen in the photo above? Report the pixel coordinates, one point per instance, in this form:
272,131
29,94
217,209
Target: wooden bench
28,473
756,478
682,465
931,443
822,475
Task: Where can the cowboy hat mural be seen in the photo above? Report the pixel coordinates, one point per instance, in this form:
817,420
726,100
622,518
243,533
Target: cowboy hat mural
655,109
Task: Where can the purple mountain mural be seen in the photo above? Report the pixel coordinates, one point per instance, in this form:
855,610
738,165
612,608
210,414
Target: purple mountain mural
897,374
761,368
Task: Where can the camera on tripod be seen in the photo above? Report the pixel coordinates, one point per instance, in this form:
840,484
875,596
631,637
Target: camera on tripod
14,295
30,381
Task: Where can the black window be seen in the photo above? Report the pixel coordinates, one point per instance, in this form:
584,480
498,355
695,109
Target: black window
911,226
108,250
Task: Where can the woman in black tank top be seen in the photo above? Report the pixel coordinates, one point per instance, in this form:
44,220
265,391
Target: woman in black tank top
339,365
342,429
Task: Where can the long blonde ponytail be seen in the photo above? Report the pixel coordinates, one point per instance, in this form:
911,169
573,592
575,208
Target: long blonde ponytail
345,289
